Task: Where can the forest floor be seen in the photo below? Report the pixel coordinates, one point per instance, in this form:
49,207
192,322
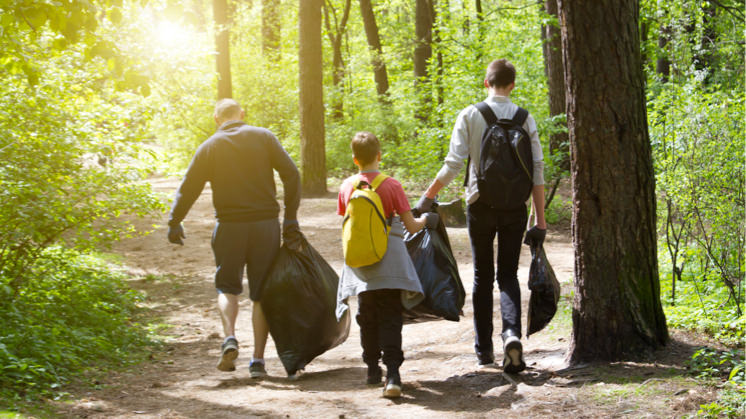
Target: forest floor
439,373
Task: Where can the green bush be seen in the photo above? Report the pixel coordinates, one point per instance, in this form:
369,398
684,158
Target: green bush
74,312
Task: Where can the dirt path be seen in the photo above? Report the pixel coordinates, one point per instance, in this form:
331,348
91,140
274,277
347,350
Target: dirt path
439,374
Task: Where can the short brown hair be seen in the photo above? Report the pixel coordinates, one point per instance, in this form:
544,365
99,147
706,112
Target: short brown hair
500,73
365,147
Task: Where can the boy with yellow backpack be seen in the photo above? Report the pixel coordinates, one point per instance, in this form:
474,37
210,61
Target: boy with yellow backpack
378,269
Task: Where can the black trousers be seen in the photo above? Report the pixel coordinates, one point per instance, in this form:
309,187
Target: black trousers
379,315
484,224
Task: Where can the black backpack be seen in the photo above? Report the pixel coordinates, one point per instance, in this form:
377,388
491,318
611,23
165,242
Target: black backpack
506,165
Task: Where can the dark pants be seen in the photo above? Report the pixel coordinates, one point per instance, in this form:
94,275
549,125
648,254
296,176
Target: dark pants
379,315
238,246
484,224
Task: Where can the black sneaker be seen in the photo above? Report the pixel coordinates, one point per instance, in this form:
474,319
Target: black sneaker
485,363
513,350
392,389
229,353
256,369
374,375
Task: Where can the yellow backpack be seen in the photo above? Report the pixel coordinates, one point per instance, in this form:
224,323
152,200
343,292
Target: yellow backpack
365,232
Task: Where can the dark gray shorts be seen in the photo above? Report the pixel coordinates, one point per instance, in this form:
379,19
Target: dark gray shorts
236,245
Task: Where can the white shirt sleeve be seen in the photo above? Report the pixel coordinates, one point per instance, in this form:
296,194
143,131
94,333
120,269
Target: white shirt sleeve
458,150
538,155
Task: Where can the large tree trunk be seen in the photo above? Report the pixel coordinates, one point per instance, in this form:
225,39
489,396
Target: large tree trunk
222,43
552,46
271,29
617,311
313,155
374,43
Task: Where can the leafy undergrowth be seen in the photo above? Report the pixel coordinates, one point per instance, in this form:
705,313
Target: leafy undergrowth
75,312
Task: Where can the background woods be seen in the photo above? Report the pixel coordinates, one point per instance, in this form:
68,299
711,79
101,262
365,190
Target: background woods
639,104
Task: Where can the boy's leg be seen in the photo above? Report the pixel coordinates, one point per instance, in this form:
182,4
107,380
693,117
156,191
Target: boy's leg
367,319
389,335
481,226
389,327
509,241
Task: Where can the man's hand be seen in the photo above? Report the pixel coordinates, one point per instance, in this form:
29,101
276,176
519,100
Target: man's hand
535,236
431,220
424,205
175,234
291,235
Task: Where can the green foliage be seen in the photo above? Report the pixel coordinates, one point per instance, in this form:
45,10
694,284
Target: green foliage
729,366
74,313
698,143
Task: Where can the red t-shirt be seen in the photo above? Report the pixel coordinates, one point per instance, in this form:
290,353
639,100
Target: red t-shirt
391,192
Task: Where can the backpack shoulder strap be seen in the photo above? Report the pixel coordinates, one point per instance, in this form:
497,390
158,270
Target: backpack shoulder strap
487,113
520,116
378,181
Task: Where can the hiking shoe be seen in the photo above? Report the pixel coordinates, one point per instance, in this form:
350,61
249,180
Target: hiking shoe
392,389
374,375
229,353
513,362
486,363
295,376
256,369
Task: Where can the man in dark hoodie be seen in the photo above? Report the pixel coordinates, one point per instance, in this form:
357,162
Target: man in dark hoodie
238,161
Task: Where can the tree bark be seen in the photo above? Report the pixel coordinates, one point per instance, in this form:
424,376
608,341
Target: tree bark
374,43
663,64
222,44
423,29
336,34
423,50
311,100
271,29
617,311
552,48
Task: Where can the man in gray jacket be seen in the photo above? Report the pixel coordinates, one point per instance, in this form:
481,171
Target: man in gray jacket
486,222
238,161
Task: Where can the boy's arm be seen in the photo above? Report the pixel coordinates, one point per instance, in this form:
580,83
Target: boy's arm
412,224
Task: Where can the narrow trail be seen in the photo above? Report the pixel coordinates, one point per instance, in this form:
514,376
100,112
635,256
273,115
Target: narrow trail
439,372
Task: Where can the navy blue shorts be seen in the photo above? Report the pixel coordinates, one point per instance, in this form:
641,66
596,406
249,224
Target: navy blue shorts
236,245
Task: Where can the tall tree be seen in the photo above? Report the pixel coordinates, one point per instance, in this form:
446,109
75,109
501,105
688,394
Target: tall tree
423,30
423,50
222,43
311,100
552,48
336,27
271,29
617,310
374,43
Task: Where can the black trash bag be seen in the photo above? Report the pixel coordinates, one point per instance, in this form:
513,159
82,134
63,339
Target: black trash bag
545,291
299,300
433,259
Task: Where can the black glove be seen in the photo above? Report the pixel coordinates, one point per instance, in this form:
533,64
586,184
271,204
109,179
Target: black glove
176,233
291,235
535,236
424,205
431,220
